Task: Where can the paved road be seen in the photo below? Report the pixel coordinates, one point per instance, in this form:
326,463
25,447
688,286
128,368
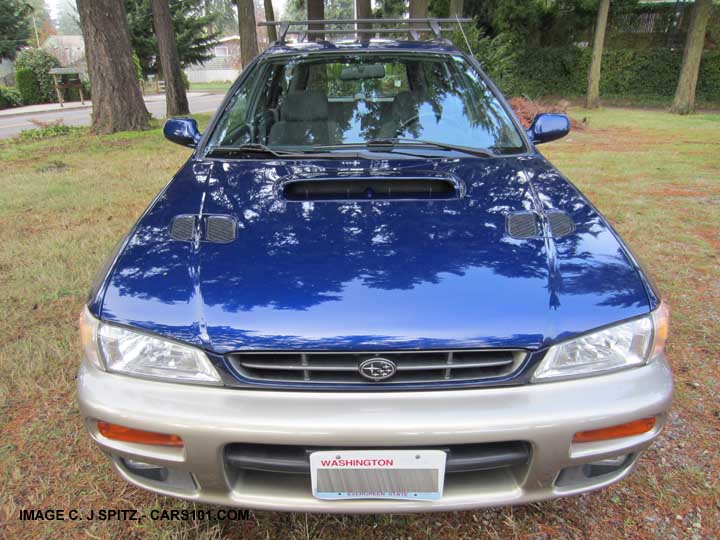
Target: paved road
14,124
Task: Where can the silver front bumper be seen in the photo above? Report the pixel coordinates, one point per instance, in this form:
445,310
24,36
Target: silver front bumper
207,418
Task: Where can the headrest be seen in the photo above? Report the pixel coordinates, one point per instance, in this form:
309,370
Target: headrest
305,106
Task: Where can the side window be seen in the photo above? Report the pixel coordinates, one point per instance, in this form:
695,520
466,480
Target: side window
236,124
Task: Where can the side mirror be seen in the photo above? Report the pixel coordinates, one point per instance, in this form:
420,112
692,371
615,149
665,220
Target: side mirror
182,131
548,127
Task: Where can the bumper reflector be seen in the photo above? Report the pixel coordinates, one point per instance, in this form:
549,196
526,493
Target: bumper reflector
636,427
126,434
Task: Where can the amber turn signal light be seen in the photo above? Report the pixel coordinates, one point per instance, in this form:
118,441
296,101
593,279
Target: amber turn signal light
126,434
636,427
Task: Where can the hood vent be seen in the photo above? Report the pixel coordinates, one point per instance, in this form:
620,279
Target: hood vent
220,229
357,189
215,228
183,228
560,223
522,225
525,224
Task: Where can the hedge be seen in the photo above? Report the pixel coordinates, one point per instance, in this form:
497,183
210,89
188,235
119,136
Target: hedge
39,63
627,73
9,97
27,86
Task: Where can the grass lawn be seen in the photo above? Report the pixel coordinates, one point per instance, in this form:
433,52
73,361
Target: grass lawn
65,201
217,86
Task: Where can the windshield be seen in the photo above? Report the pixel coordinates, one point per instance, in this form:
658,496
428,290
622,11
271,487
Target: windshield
301,103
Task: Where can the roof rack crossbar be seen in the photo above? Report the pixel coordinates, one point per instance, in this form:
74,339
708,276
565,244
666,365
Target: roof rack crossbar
413,26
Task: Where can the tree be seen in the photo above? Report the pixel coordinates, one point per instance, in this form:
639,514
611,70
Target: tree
684,102
191,24
269,17
175,98
456,8
248,32
224,15
363,10
117,101
14,27
391,9
315,12
419,10
592,100
68,21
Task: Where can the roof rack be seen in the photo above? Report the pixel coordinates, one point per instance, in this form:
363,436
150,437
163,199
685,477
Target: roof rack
414,27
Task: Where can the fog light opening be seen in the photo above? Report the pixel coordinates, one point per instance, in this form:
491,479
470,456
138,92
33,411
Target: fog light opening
593,471
149,471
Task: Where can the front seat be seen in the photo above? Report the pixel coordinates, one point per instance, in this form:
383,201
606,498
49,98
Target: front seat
304,120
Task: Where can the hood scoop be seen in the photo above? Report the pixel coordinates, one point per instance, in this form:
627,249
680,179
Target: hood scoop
527,224
355,188
214,228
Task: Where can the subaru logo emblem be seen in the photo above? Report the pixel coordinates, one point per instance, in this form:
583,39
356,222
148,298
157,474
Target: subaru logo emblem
377,369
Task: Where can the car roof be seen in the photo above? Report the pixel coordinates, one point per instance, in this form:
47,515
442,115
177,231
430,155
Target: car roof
370,45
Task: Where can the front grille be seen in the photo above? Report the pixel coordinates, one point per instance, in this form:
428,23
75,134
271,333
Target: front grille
461,458
411,367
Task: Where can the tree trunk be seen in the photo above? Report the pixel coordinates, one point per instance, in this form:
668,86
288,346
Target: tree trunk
592,100
419,10
363,11
456,8
175,97
248,33
116,97
315,12
270,17
684,102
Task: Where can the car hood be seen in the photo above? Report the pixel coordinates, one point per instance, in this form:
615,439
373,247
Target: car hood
372,275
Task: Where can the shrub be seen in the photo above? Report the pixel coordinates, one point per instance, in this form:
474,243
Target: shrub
634,74
27,86
39,63
9,97
186,81
47,132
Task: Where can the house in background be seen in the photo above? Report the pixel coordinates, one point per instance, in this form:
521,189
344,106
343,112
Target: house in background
223,66
69,50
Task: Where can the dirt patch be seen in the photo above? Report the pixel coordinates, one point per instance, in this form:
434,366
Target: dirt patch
710,235
526,110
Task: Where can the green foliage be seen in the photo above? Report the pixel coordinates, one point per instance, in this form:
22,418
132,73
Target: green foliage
191,24
390,9
39,62
186,81
27,86
636,74
9,97
138,66
14,26
53,130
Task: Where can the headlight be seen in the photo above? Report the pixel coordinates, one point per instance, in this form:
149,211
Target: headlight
625,345
134,353
88,337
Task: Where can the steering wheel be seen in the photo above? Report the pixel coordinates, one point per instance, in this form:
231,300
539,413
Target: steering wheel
241,134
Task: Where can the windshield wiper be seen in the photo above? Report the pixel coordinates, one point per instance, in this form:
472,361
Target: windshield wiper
259,149
393,142
247,149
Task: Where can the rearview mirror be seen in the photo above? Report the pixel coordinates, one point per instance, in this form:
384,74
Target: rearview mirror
548,127
359,72
182,131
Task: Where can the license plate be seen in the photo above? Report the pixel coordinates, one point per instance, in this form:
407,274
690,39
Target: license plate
378,474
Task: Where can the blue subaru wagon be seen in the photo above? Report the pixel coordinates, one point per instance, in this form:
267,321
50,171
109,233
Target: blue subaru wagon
367,291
